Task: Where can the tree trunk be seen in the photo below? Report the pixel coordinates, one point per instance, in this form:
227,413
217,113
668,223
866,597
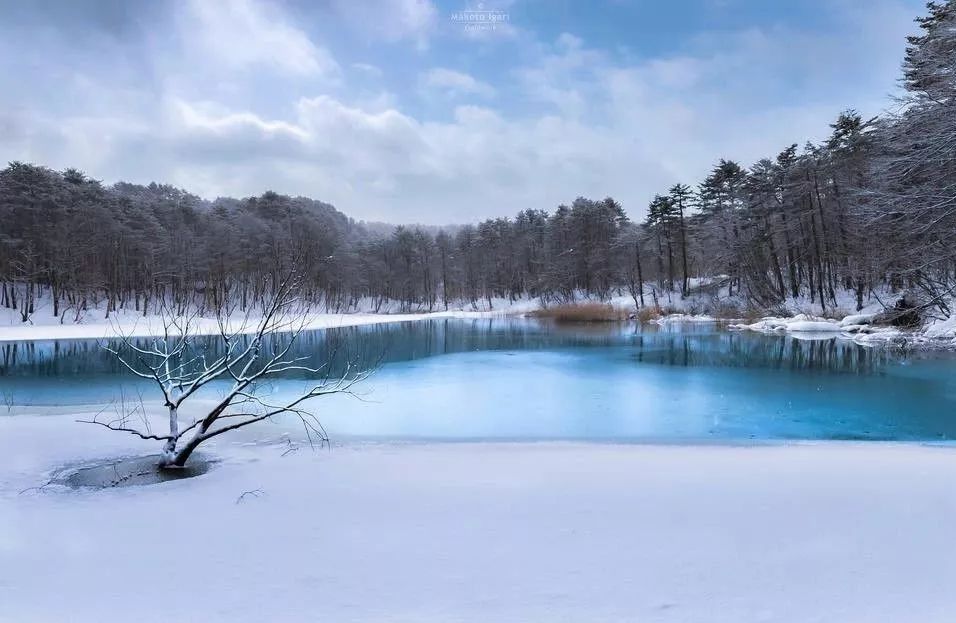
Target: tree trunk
640,273
170,455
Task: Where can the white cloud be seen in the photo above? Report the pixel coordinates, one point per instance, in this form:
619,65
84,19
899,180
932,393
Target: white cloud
249,33
562,75
608,128
455,83
368,69
476,164
389,20
215,119
567,41
571,120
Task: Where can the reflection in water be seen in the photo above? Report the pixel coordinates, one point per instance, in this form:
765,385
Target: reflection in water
741,350
370,345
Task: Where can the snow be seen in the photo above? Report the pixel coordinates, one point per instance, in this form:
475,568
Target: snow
855,327
135,325
857,319
815,326
674,318
801,323
942,328
481,532
94,324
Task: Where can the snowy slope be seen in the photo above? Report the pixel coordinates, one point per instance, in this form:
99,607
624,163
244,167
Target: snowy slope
476,532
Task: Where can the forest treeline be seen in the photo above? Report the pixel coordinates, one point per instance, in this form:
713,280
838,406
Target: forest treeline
873,207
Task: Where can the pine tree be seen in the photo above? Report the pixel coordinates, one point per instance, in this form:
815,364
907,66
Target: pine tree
681,195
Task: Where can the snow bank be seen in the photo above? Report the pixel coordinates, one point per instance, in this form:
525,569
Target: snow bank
857,319
675,318
943,328
881,335
767,325
855,327
138,326
482,532
798,323
812,326
93,323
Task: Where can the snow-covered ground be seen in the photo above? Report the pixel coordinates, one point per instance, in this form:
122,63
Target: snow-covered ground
135,325
481,532
94,324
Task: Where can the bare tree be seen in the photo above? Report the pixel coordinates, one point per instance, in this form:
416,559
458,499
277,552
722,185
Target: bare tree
7,399
243,354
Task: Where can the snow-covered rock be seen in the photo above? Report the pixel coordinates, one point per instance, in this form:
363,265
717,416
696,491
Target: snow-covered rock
766,325
802,325
813,326
944,328
673,318
799,323
857,319
874,336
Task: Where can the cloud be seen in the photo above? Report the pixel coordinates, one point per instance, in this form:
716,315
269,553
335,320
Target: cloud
562,74
475,164
368,69
263,106
249,34
455,83
214,119
389,20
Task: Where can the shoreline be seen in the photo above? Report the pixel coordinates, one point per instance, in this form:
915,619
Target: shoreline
150,326
798,326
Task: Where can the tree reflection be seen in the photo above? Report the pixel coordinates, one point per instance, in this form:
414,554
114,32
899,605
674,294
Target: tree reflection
674,345
746,350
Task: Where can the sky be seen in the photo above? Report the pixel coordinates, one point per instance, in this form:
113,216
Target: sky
435,111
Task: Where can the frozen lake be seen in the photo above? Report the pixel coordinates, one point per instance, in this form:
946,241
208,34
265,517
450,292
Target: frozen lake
516,379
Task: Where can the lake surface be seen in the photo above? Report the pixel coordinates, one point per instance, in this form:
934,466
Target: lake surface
517,379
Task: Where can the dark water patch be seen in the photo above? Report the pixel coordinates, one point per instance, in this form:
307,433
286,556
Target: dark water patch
132,472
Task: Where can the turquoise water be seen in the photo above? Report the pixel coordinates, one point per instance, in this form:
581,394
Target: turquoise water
521,379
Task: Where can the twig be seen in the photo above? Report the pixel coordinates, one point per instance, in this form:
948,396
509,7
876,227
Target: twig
253,493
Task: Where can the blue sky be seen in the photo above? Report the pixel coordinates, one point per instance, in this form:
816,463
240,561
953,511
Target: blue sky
393,110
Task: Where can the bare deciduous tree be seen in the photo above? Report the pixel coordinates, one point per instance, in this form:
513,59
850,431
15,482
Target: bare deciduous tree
242,353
